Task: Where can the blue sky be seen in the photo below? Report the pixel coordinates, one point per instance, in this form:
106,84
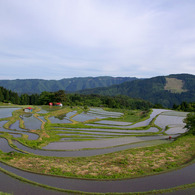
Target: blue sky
55,39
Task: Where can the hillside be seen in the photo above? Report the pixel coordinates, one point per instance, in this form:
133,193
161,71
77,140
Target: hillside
32,86
164,90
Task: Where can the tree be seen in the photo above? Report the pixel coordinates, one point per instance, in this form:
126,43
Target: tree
1,94
24,99
46,97
190,123
60,96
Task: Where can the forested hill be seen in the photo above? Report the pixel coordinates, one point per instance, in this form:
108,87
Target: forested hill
32,86
164,90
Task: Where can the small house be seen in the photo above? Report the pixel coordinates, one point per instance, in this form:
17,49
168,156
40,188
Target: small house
58,104
28,109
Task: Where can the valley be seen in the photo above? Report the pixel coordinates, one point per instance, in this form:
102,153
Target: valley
96,143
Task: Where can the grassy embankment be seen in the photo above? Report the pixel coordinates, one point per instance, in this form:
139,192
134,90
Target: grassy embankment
124,164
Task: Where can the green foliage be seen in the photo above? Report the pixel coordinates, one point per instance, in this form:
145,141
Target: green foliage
184,106
8,96
56,171
190,123
81,100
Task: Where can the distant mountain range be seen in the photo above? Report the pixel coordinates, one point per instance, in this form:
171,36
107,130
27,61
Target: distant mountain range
32,86
164,90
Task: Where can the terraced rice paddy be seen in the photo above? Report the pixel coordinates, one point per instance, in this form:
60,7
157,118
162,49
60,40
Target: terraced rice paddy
100,132
88,133
173,121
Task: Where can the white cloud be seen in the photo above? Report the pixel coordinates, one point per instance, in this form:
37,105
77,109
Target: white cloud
97,37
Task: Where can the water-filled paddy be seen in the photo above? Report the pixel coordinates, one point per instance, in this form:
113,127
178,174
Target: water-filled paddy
54,119
85,153
150,130
16,126
155,182
176,130
99,143
31,136
70,114
42,111
83,117
117,123
4,146
164,120
30,122
16,135
102,146
6,112
101,112
42,118
175,113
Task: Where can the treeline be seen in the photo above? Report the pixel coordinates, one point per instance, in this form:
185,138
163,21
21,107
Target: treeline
108,101
9,96
190,123
73,100
185,106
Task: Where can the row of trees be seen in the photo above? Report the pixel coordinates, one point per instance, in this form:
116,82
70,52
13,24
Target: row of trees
73,99
9,96
185,106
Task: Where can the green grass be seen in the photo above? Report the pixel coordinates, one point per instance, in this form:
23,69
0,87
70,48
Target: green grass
132,116
118,165
4,193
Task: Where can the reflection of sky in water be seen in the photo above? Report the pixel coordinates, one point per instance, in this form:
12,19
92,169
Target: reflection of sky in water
74,145
113,122
57,120
4,146
68,115
83,117
16,126
42,111
95,113
64,118
7,112
42,118
151,129
164,120
15,135
31,136
31,122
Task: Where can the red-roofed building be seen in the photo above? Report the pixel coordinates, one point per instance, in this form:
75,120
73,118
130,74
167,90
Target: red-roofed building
58,104
28,109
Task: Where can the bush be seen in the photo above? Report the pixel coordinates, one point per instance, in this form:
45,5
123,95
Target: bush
190,123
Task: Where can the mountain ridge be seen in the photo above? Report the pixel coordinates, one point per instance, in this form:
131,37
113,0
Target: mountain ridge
153,89
32,86
164,90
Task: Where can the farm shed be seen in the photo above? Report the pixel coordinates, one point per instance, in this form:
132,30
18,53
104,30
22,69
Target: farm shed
58,104
28,109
